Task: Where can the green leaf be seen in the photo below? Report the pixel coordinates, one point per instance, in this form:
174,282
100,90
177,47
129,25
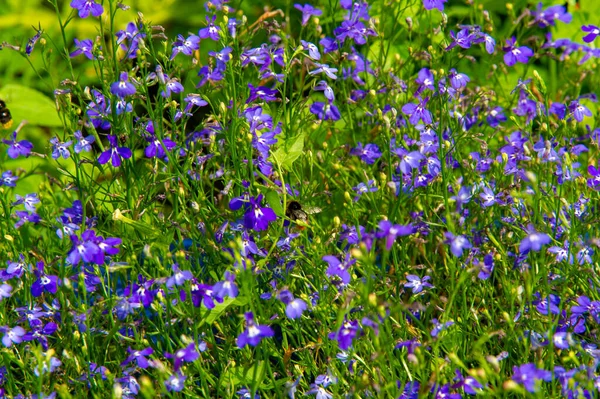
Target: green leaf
216,312
28,104
274,202
286,156
251,376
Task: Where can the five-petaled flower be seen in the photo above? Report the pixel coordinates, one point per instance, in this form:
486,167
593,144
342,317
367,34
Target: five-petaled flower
253,333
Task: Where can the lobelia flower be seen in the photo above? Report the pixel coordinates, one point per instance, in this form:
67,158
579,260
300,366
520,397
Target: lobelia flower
325,111
123,87
425,80
313,51
548,17
33,41
83,143
578,110
416,284
345,334
49,365
185,46
179,276
139,357
528,375
515,54
256,217
5,291
307,11
114,153
439,327
263,92
87,7
391,231
132,36
26,217
18,148
175,382
187,354
418,112
339,269
592,32
12,335
363,188
84,47
44,282
294,306
253,333
534,240
458,80
431,4
60,149
323,68
8,179
30,201
457,244
211,31
226,288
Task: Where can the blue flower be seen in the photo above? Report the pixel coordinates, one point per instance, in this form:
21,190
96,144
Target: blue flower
123,87
258,217
253,333
114,153
533,241
84,47
87,7
307,11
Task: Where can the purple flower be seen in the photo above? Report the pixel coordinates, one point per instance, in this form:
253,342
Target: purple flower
458,80
363,188
431,4
579,110
187,354
185,46
439,327
418,112
84,47
256,217
83,143
132,35
548,17
515,54
179,276
30,200
226,288
44,282
175,382
12,335
345,334
123,87
496,116
24,217
457,244
391,231
5,291
487,268
139,356
294,306
326,69
533,241
114,153
528,374
18,148
369,154
325,111
307,11
85,7
339,269
593,32
60,149
313,51
211,31
416,283
594,182
8,179
562,253
263,92
253,333
425,80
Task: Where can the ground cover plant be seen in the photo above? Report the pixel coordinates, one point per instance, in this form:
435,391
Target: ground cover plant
393,199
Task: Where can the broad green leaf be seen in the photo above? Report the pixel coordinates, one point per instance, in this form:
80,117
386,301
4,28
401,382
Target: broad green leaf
28,104
221,307
274,202
285,157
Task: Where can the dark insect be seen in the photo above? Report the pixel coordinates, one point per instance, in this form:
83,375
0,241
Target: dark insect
294,211
5,118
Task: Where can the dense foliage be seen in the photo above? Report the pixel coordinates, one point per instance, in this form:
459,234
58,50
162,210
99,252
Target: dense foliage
337,199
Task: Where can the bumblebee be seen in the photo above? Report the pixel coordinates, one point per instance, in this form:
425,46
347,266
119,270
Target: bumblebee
5,118
294,211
